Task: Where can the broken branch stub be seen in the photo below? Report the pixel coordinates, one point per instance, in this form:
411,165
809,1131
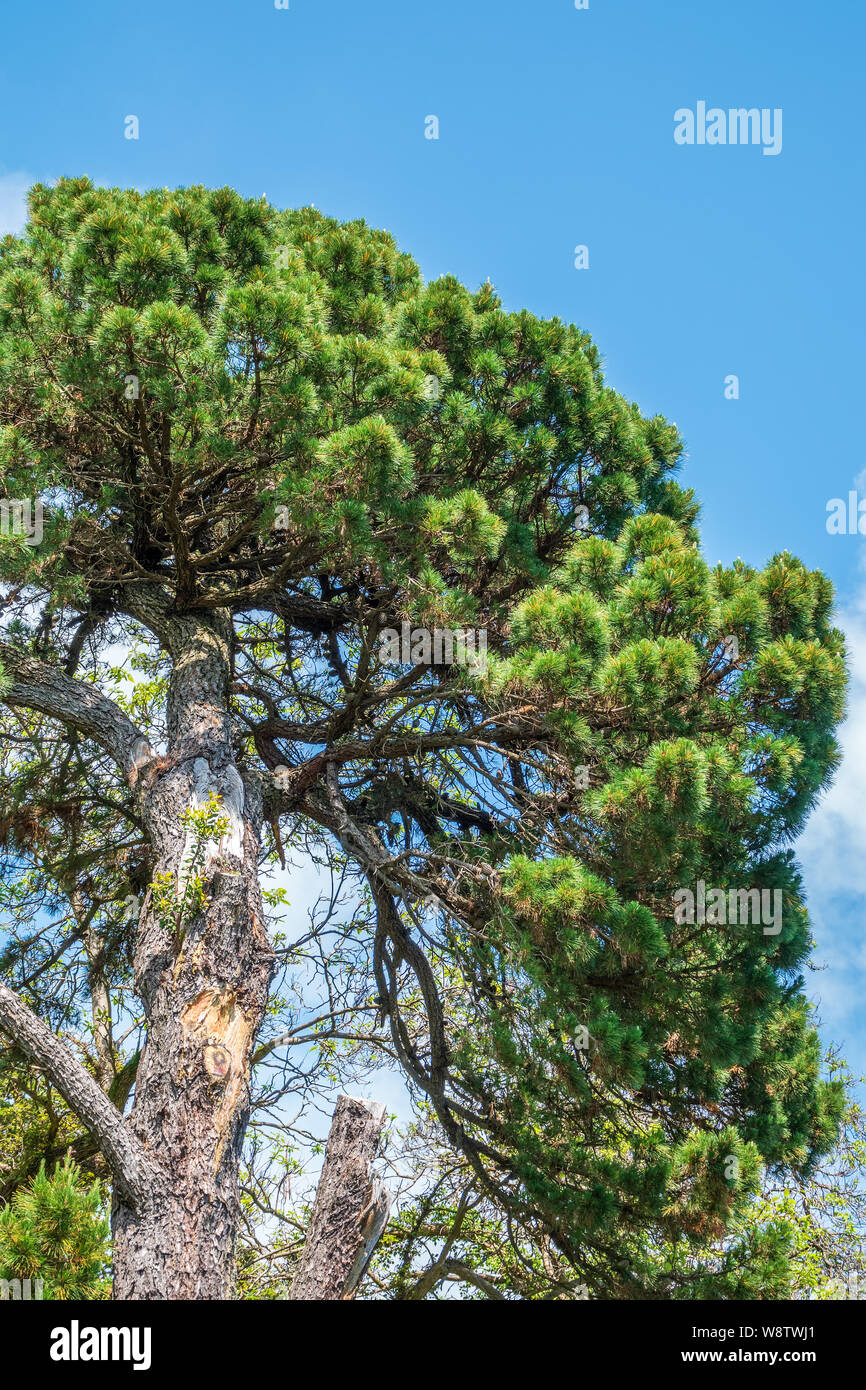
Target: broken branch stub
351,1208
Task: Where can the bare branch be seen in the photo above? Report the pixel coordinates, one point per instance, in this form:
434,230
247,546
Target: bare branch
133,1169
48,690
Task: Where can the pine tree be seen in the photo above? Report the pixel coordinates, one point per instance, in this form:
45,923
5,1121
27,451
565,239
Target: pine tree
55,1229
263,445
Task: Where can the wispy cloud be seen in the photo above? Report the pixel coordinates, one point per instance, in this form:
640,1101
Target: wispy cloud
13,201
833,853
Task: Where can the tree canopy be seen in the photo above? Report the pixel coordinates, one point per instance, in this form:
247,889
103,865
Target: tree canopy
261,440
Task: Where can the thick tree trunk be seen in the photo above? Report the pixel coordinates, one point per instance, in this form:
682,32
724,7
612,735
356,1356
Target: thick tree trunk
351,1207
204,989
204,998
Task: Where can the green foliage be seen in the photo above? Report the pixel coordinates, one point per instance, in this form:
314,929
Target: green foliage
822,1214
268,420
179,898
55,1229
296,353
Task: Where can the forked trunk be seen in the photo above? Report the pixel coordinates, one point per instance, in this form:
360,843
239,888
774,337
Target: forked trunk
203,978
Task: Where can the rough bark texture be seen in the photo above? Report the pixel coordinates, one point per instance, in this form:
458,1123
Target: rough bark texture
351,1207
204,998
41,687
175,1159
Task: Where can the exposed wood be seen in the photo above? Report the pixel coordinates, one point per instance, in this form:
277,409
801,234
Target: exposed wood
351,1207
204,994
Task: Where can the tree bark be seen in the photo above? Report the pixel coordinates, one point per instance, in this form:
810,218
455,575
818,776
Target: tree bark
204,996
351,1207
175,1160
40,687
134,1173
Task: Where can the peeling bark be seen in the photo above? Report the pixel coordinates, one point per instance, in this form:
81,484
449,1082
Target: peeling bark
204,1000
175,1159
351,1207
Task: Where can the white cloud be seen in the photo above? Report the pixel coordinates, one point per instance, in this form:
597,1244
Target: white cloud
832,851
835,838
13,201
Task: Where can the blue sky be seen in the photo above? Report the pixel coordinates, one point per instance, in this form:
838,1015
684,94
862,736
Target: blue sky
555,130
